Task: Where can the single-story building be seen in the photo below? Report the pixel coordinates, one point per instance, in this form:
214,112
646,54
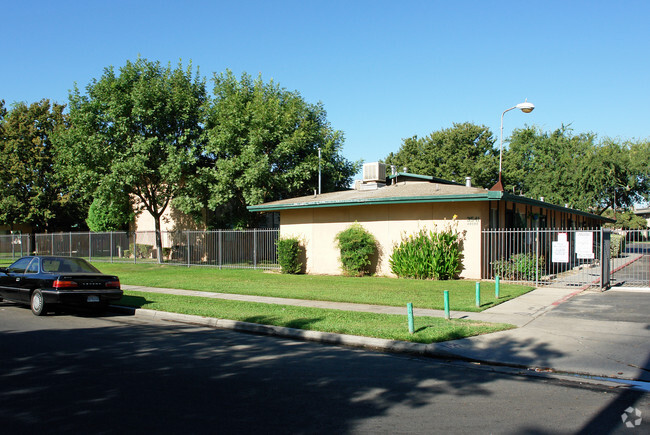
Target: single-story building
391,207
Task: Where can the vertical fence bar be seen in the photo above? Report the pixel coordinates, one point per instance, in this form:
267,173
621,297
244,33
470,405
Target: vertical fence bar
536,257
219,241
254,248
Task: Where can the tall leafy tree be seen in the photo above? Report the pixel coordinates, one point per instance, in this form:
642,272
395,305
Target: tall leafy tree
549,165
31,191
618,174
261,144
573,169
464,150
135,132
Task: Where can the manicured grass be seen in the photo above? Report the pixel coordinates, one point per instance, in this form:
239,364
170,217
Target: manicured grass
367,290
392,327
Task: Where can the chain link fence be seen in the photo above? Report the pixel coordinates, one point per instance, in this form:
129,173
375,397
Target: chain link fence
14,246
238,249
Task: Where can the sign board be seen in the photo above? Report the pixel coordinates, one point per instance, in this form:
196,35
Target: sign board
560,249
585,245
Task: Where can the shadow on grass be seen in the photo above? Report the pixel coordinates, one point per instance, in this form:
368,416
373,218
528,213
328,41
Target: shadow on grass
275,321
134,301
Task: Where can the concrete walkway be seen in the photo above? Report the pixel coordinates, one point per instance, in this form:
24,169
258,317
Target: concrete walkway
544,340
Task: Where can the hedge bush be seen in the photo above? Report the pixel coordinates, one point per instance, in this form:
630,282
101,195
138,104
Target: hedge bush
289,251
356,246
616,244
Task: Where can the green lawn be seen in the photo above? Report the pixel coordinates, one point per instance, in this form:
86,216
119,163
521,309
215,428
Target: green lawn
367,290
392,327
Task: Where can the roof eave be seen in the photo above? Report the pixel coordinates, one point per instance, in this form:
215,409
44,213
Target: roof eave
489,196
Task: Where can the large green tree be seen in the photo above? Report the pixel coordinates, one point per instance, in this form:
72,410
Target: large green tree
135,132
464,150
573,169
549,165
32,192
261,144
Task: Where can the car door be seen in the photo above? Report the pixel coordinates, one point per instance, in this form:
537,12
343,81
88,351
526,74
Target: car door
30,279
11,281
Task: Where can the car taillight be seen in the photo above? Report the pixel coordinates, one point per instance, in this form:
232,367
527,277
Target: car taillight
60,283
113,284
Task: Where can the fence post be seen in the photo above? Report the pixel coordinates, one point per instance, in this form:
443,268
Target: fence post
188,248
135,248
52,246
254,248
537,257
70,243
90,246
111,247
220,241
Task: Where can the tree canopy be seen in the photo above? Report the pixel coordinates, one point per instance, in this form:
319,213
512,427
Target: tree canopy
573,169
135,132
31,190
464,150
261,144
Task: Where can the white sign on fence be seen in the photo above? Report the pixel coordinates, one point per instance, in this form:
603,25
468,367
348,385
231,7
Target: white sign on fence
560,251
585,245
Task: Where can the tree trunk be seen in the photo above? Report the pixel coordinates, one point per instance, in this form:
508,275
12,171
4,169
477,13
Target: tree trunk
158,239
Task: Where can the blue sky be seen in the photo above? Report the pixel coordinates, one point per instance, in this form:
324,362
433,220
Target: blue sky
384,70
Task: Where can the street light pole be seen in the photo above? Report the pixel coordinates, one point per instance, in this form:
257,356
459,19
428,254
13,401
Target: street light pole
319,170
525,107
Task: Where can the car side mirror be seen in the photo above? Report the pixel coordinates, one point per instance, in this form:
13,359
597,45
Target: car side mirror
3,270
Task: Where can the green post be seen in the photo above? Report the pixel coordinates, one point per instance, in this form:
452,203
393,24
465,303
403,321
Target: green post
447,315
496,287
409,308
478,294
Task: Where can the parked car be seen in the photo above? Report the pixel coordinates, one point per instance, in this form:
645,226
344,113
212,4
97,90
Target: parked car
45,282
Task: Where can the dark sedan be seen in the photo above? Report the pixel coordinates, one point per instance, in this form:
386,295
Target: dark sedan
44,282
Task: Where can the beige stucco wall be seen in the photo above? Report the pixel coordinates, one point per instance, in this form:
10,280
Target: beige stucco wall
317,228
171,220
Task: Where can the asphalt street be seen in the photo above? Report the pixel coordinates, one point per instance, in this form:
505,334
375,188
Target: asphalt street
72,373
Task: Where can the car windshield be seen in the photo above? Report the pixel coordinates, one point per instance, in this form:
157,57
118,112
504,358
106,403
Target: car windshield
68,265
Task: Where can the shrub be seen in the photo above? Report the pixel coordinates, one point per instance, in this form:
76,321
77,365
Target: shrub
143,251
519,267
357,246
616,244
289,251
428,255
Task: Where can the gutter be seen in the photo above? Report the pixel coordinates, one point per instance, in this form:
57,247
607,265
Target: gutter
487,196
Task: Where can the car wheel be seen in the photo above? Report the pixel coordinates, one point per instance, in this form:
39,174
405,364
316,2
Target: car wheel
38,303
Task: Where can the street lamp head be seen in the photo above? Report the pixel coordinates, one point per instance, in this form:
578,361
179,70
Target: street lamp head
525,107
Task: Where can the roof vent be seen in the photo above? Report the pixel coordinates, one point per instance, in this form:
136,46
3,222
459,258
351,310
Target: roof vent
468,181
374,172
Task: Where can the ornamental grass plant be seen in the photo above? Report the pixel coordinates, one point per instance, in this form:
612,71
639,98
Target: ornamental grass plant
429,254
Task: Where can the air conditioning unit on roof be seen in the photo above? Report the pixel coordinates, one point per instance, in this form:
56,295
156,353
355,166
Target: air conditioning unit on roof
374,172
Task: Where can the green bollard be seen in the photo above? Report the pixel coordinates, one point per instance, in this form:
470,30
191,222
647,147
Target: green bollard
409,309
447,315
496,287
478,294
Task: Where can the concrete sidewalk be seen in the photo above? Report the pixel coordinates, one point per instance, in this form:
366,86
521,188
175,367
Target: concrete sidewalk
543,341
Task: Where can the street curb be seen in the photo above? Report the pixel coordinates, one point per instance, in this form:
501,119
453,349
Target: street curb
396,346
432,350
